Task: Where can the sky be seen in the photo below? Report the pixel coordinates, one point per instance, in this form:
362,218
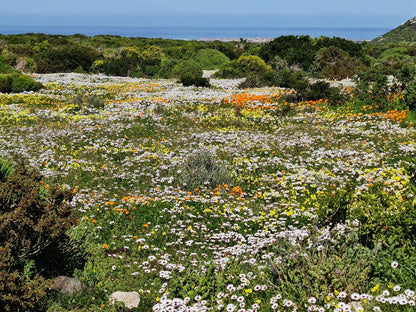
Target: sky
212,13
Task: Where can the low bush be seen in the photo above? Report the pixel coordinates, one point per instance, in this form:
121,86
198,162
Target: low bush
211,59
202,169
335,63
251,67
33,245
90,101
11,80
67,59
261,79
319,90
190,73
22,83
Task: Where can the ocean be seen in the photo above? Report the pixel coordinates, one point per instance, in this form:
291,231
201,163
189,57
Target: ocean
197,33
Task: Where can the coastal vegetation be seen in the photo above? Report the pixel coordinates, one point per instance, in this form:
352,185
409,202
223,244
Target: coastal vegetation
284,182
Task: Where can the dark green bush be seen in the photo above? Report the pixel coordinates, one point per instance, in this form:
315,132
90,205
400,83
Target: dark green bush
190,73
319,90
66,59
260,79
33,245
302,50
410,96
6,83
406,74
296,50
289,78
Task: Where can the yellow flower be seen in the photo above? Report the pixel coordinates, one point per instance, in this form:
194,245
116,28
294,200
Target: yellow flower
375,288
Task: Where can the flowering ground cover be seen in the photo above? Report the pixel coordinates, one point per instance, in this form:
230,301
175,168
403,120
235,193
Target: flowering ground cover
222,199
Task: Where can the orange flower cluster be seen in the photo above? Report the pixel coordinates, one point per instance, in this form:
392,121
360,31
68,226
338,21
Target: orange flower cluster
251,101
395,115
236,190
318,105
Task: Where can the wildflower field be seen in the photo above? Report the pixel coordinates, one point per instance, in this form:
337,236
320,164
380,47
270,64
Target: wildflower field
224,199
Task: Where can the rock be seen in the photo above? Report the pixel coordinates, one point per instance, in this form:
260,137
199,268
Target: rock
130,299
68,285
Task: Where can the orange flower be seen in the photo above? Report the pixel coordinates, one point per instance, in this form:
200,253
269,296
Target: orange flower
105,246
146,225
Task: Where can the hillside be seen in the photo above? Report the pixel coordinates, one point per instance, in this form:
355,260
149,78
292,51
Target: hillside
404,33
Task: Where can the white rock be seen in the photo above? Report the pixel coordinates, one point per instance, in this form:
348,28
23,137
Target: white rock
130,299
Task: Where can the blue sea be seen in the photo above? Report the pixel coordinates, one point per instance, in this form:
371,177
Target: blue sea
197,33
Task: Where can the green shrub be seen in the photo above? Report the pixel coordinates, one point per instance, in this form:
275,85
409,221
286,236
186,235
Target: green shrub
245,66
66,58
201,169
315,266
230,70
289,78
296,50
22,83
252,63
6,68
195,284
167,68
190,73
260,79
335,63
406,74
9,58
33,245
319,90
410,96
11,80
388,218
211,59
